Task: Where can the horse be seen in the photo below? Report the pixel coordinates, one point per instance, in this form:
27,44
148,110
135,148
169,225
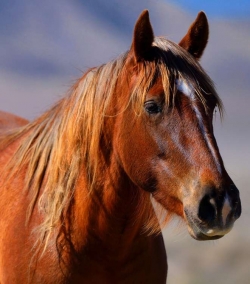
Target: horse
87,186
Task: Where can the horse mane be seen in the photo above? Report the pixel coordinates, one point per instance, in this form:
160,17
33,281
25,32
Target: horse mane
59,144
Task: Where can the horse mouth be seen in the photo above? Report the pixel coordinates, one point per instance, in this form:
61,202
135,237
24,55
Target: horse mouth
197,232
200,236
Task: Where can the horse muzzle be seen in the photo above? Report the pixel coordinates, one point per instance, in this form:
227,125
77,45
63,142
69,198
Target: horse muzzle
214,215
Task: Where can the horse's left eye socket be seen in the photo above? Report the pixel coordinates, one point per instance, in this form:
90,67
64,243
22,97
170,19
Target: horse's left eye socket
152,107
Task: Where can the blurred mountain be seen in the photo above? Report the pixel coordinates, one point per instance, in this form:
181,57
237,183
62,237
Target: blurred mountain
45,45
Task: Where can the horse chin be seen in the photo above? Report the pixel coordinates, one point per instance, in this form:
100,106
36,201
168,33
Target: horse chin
200,236
198,233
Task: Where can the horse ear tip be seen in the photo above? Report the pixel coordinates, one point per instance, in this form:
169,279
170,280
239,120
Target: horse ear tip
202,14
144,15
145,12
202,17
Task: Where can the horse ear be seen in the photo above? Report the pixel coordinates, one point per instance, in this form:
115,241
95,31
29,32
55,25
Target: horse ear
196,38
143,37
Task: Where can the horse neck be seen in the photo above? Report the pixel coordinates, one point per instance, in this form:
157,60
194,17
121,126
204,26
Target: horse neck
111,213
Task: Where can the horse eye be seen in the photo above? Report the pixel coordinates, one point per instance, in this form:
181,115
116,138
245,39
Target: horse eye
152,107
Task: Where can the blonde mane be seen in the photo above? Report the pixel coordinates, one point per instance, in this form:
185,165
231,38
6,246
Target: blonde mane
66,139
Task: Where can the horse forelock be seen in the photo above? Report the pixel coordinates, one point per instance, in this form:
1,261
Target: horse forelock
64,140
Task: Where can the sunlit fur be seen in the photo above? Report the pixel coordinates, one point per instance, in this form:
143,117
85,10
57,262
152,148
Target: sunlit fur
64,142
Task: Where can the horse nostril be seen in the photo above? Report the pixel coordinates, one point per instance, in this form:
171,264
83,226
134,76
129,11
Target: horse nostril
207,210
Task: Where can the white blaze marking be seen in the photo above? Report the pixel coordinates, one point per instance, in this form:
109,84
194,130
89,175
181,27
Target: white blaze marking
226,209
188,90
185,88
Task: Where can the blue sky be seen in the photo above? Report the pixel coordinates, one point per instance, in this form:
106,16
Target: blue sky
217,8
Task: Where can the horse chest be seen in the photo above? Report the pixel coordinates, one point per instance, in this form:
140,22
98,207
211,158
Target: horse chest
140,267
145,263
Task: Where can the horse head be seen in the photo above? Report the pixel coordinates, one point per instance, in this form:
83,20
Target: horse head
165,141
